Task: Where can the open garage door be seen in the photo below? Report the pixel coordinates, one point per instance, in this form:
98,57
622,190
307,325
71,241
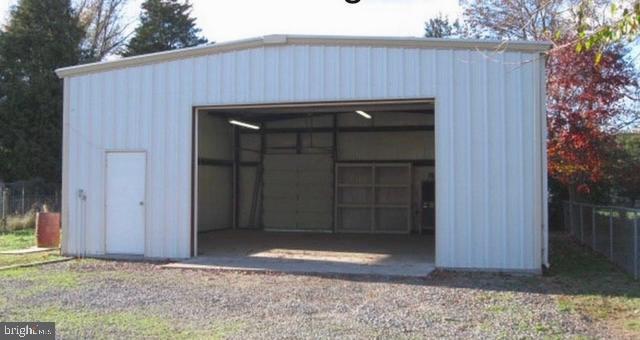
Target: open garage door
344,167
313,187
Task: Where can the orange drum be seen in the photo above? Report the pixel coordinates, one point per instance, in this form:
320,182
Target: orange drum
48,230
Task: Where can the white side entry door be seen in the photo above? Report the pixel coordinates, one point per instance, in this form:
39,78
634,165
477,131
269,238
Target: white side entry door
125,202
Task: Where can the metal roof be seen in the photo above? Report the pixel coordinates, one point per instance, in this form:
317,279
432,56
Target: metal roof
283,39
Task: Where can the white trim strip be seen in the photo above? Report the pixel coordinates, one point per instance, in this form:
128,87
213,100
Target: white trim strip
323,104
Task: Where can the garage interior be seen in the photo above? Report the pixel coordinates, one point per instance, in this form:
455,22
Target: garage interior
326,188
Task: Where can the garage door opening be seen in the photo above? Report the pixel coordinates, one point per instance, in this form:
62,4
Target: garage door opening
329,187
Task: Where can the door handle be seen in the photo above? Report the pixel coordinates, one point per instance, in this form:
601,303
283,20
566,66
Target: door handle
141,203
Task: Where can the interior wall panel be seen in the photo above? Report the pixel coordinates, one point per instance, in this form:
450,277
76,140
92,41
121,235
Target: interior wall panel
215,138
215,141
484,105
247,185
214,198
408,145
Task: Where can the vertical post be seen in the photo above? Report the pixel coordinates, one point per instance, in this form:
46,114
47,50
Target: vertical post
566,207
235,176
5,203
581,226
334,158
593,226
636,257
410,203
611,233
263,151
571,228
22,202
373,197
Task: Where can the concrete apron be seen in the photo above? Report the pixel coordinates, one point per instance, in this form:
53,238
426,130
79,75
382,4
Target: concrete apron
293,266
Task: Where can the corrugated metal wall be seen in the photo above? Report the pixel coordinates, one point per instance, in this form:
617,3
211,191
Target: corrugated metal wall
488,165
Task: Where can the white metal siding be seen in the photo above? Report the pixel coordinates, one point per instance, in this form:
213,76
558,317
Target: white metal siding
488,154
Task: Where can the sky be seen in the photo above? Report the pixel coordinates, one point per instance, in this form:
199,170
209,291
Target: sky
224,20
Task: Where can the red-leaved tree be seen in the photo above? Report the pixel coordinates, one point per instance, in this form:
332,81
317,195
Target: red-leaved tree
584,104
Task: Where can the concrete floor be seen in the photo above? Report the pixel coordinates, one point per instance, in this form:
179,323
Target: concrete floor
355,254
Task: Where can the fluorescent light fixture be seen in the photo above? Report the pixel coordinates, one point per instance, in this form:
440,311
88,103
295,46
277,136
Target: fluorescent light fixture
363,114
243,124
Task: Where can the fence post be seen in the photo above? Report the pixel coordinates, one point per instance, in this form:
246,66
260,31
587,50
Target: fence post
581,226
5,203
636,256
22,202
593,226
571,219
611,233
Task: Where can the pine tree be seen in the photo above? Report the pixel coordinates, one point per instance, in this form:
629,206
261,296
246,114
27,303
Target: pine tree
164,25
40,37
440,27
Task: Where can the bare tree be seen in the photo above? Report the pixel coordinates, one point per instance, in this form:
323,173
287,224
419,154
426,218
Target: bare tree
105,31
518,19
579,24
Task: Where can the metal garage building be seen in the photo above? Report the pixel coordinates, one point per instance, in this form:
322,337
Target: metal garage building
326,135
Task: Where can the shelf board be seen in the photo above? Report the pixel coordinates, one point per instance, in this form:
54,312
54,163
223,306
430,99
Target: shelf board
354,205
382,206
392,206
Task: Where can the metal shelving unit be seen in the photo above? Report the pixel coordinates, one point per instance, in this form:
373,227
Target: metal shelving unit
373,197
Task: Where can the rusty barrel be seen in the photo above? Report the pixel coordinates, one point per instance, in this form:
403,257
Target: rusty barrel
48,229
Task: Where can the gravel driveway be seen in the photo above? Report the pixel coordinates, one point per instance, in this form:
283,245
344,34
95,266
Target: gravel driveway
92,298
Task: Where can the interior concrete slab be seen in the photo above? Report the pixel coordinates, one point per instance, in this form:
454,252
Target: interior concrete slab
314,253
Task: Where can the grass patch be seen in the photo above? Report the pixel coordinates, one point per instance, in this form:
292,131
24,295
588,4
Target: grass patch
10,260
565,305
19,239
126,324
29,283
36,281
593,287
632,325
496,309
17,273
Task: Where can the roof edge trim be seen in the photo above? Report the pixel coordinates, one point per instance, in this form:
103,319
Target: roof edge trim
281,39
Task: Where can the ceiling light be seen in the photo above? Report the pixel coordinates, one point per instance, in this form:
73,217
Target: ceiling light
243,124
363,114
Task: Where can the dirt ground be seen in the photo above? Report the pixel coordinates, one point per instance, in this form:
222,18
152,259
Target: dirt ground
109,299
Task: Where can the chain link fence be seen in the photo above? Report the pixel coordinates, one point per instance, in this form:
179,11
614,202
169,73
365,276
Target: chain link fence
611,231
27,197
